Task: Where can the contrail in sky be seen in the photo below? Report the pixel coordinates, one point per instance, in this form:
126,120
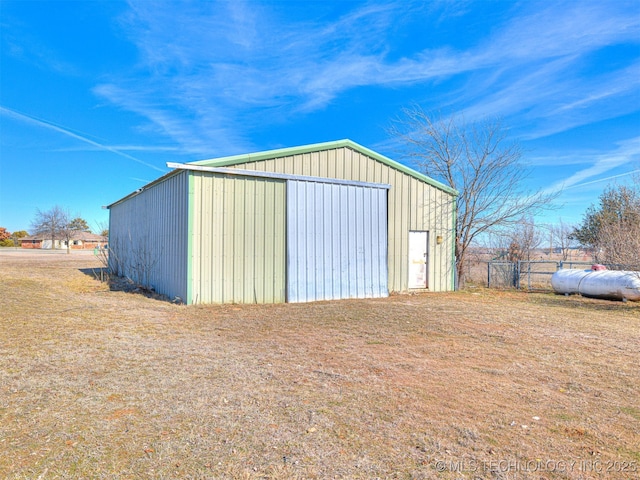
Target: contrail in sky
51,126
602,179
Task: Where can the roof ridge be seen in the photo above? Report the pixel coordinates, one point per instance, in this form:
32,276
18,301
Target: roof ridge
314,147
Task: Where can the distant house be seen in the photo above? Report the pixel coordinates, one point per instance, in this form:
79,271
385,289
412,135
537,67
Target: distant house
79,241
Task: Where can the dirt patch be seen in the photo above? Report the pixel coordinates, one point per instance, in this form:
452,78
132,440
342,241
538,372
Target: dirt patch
97,383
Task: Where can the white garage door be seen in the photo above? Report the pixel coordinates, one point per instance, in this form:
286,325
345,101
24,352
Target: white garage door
336,241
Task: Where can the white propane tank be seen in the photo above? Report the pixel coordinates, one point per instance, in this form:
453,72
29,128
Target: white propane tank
619,285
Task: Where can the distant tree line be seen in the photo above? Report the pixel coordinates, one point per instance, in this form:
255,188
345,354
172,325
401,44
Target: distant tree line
612,226
610,230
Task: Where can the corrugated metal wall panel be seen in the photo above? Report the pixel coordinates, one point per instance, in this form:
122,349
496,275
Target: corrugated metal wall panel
336,241
433,210
238,253
148,236
413,205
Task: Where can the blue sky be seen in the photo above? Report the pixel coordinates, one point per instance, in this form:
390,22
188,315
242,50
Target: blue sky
96,97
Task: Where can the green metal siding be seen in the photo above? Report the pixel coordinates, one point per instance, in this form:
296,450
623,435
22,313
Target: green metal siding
434,211
322,147
238,239
414,202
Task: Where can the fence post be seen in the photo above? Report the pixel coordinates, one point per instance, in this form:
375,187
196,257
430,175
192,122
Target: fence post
488,274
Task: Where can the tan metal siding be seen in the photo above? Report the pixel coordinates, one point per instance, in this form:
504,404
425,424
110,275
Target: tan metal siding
148,236
413,205
238,253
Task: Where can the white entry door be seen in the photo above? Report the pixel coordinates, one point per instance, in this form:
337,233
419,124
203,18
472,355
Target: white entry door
418,260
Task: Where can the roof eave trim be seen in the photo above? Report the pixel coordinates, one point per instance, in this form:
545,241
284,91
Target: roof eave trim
274,175
141,189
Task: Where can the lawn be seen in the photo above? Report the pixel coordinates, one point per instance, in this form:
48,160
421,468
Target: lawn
97,383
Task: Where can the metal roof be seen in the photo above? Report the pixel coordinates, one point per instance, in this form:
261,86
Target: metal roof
76,235
219,163
315,147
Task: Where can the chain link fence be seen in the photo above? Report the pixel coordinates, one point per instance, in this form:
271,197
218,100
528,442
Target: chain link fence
535,275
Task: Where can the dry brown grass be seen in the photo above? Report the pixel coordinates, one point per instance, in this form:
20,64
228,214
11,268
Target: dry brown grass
102,384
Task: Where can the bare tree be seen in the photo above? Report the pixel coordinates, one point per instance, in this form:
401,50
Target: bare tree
618,238
102,228
561,237
477,161
524,239
53,224
620,245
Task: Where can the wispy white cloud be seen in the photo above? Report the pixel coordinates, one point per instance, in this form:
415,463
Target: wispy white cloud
627,153
534,69
64,131
215,63
544,101
19,43
560,30
210,71
122,148
184,124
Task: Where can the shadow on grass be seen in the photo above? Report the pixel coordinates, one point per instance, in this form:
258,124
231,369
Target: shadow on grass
123,284
116,284
99,273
